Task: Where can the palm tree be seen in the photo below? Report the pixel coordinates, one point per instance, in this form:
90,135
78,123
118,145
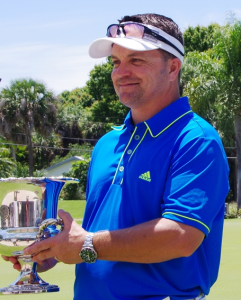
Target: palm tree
26,106
44,153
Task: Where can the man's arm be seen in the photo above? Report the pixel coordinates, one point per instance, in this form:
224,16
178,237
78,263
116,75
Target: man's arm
151,242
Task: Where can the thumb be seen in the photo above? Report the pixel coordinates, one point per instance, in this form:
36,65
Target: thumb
65,216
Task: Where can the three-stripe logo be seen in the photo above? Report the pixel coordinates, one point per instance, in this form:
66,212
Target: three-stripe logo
146,176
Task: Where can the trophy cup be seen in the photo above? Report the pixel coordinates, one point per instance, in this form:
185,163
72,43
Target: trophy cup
28,214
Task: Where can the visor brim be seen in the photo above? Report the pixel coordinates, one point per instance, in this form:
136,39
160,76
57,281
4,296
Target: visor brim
103,47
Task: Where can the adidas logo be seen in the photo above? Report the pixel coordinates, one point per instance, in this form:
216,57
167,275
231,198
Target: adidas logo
146,176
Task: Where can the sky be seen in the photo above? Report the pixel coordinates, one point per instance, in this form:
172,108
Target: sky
48,40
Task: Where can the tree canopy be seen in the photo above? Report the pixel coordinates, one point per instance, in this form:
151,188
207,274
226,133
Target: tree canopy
200,38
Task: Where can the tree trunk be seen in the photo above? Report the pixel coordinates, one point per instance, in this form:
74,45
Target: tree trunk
30,155
13,154
237,127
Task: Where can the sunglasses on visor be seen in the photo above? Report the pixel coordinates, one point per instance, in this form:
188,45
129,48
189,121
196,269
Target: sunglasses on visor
137,31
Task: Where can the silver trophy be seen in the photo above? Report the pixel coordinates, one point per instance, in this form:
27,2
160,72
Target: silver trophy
28,214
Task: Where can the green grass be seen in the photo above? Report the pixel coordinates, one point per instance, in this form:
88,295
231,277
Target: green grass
228,283
75,207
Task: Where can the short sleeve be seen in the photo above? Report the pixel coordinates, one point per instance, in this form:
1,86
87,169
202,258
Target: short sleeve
197,183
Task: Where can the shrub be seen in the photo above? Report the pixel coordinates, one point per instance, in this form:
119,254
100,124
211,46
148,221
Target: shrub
233,211
73,191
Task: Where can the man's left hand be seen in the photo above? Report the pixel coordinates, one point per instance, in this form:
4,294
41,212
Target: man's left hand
64,247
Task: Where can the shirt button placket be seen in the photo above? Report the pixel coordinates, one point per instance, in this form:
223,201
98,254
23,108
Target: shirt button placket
121,169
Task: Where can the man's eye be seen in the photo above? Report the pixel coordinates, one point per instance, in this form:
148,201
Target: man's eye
115,63
136,60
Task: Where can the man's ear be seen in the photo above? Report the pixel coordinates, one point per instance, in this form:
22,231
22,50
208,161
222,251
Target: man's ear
174,68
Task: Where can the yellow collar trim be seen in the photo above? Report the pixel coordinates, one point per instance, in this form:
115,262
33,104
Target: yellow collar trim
154,136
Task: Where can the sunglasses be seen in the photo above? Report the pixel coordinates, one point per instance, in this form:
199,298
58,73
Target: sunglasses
137,31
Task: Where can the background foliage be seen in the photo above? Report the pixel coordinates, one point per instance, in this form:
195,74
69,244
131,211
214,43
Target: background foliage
71,123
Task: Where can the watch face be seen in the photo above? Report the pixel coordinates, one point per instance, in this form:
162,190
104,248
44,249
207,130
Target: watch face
88,255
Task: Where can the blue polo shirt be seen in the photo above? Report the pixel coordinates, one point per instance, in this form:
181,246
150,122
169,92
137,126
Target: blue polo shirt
172,166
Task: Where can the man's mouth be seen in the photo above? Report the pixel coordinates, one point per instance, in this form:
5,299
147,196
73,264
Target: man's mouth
128,84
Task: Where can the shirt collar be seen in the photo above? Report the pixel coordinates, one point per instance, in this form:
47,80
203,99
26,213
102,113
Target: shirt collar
167,116
163,118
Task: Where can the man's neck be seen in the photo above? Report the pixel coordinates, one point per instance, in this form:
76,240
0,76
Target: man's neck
142,114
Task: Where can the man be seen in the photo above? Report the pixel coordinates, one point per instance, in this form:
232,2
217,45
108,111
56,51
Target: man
156,186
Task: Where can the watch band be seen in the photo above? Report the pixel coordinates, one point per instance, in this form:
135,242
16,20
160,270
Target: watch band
88,253
89,240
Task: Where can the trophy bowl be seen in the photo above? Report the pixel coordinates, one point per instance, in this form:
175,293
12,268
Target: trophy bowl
28,214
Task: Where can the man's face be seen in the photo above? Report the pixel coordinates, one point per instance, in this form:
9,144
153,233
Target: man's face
140,78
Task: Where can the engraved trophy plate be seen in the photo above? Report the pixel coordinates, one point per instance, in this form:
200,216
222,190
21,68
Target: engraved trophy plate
28,212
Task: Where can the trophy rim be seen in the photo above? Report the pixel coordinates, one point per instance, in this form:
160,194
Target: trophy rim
53,178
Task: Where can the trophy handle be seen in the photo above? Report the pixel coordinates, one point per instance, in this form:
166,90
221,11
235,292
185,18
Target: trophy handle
48,228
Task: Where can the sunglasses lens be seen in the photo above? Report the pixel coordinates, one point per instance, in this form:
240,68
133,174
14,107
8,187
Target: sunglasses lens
138,31
131,30
134,30
112,30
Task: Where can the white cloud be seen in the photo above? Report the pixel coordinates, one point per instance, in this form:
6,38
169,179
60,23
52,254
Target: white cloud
60,67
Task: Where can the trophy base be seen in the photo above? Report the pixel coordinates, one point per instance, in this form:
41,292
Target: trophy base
28,281
28,289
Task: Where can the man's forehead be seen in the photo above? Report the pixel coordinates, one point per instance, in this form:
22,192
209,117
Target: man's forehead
122,51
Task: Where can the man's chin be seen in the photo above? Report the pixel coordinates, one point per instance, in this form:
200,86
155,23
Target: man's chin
129,100
127,103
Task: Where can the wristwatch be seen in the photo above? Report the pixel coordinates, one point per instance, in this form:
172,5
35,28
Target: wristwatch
88,253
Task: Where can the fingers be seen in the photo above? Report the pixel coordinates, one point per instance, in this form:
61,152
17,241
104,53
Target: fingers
39,246
42,266
45,265
13,260
43,246
66,217
17,266
6,258
49,242
42,256
65,245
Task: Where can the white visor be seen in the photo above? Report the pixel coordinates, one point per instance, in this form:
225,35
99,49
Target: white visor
103,47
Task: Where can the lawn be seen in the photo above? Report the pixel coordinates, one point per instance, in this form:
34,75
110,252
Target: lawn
228,283
75,207
226,287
